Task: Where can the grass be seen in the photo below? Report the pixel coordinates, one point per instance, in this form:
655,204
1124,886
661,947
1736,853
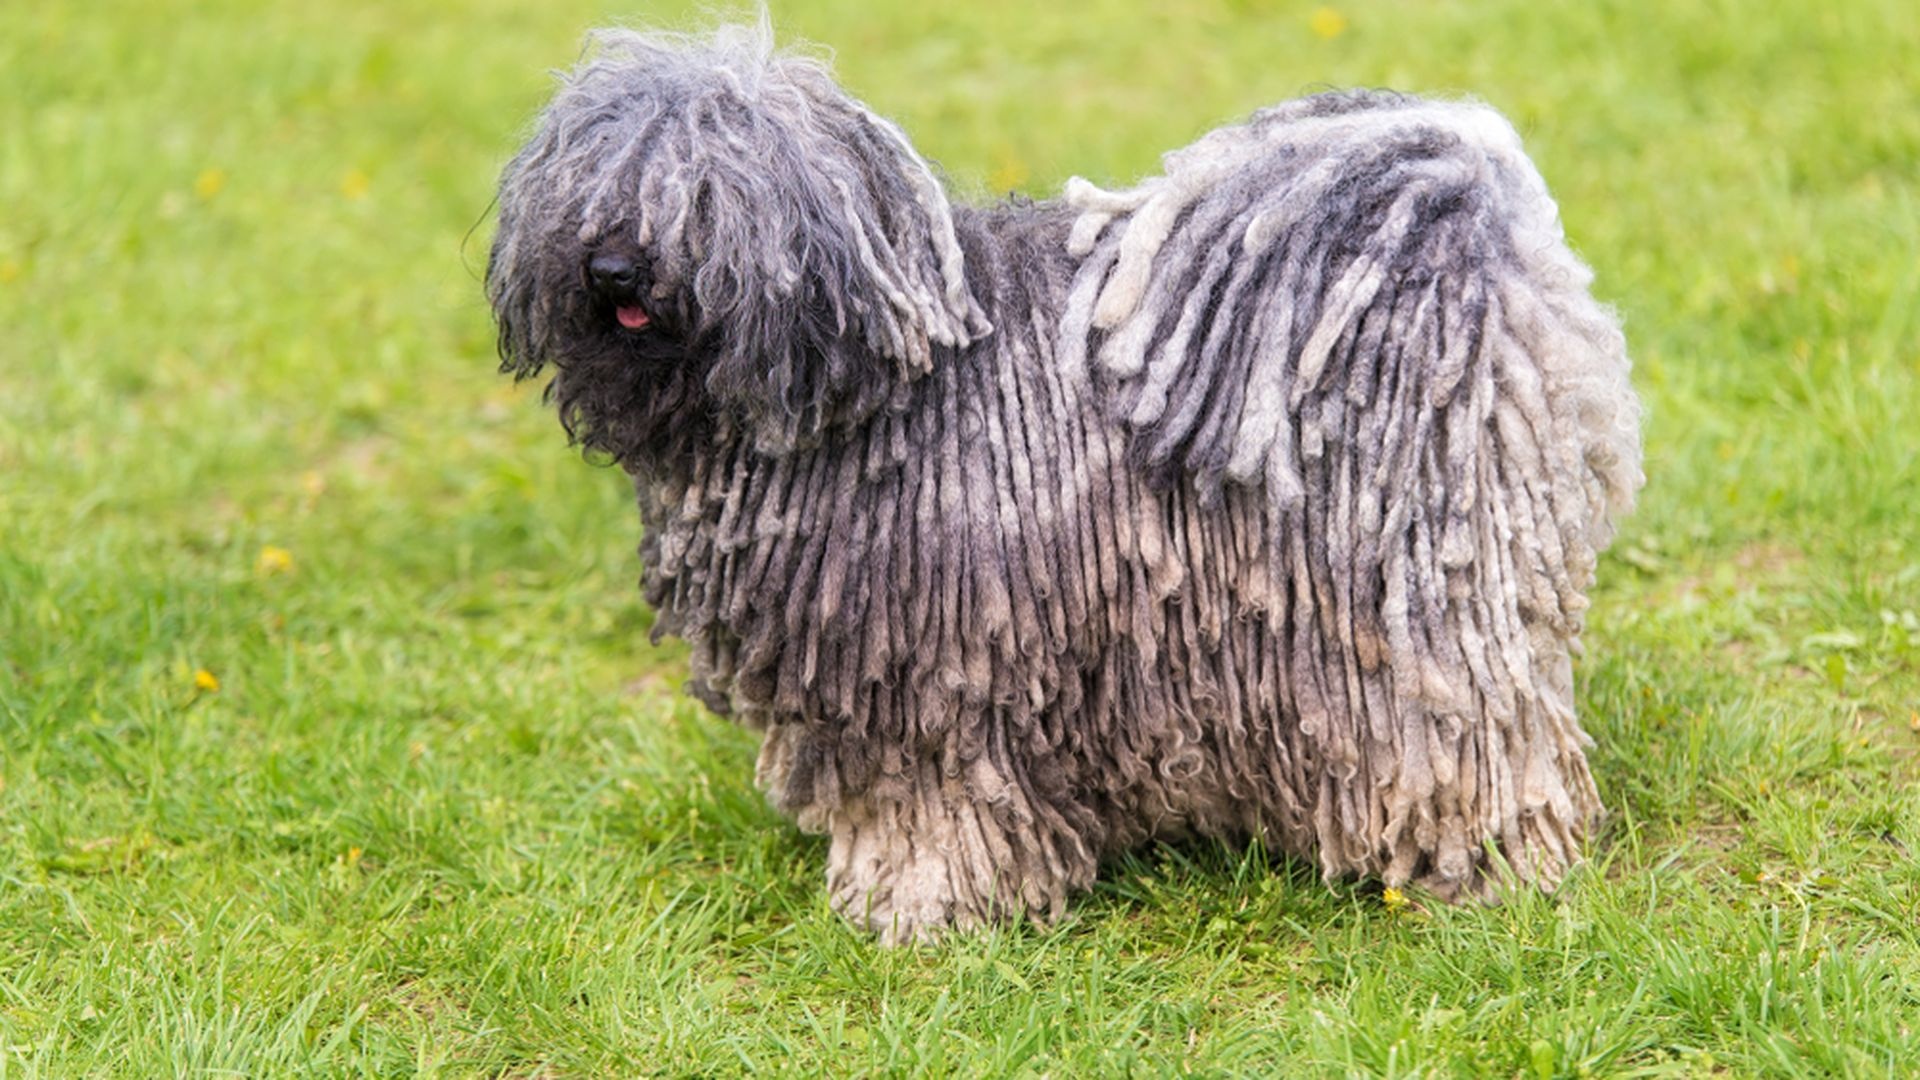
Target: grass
446,813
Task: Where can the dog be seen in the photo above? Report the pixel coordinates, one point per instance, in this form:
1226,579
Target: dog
1259,499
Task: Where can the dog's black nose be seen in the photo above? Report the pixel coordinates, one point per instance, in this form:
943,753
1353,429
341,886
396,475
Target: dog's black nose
612,274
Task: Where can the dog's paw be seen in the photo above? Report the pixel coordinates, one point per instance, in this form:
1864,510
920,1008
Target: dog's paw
912,903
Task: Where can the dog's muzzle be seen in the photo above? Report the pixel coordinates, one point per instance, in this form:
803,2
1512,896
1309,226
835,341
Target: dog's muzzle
618,280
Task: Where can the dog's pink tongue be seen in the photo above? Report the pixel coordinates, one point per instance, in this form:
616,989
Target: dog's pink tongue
633,318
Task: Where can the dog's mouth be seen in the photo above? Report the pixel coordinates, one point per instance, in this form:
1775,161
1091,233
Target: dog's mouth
632,316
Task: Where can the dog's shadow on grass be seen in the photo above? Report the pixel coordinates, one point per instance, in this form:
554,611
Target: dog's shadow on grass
701,821
708,822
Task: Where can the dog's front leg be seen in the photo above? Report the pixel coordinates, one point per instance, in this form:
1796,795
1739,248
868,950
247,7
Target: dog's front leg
952,847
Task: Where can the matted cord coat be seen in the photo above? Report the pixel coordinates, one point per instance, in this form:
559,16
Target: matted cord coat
1259,498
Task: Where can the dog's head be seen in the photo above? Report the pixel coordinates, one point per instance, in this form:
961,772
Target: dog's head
703,225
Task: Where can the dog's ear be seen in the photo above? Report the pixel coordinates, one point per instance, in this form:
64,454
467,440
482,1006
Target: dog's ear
832,265
817,246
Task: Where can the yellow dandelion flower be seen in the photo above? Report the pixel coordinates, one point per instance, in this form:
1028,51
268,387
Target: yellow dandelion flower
9,271
206,681
209,182
1009,172
355,184
1327,23
273,560
1395,899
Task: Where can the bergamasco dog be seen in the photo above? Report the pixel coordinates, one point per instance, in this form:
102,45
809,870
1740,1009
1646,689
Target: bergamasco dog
1258,499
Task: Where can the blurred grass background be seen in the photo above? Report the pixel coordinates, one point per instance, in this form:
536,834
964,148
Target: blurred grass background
330,741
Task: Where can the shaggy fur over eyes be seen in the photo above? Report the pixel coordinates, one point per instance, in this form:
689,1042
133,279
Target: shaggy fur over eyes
1257,499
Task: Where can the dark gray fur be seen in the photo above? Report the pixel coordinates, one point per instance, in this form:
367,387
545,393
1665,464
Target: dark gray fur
1259,499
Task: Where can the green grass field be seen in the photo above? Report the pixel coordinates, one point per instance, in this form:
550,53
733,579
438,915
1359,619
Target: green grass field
330,740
